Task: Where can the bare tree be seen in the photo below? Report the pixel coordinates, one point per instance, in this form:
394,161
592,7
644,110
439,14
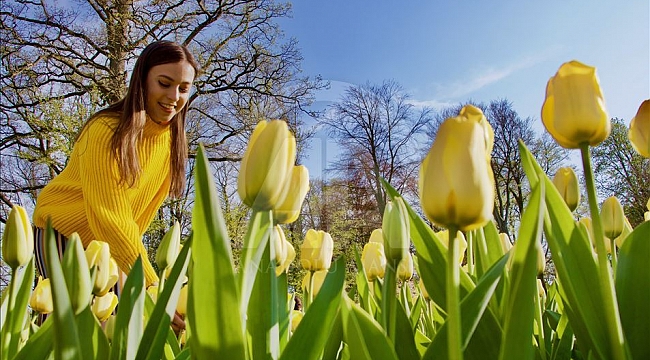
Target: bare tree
377,129
622,172
76,55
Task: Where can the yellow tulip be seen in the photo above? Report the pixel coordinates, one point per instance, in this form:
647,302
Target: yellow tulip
460,238
288,210
540,289
296,317
405,268
267,165
169,247
639,133
18,238
109,327
181,305
41,299
319,278
103,306
98,255
316,250
456,181
627,229
613,217
284,251
377,235
506,244
396,228
373,260
566,182
589,229
423,291
574,110
153,292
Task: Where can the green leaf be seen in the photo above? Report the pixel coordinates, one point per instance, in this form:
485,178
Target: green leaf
41,344
473,307
157,330
520,307
19,292
284,310
404,337
310,337
66,344
364,336
575,265
213,309
130,311
633,290
432,259
94,344
335,338
262,325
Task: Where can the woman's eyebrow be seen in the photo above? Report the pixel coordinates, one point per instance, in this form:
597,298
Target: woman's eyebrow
172,79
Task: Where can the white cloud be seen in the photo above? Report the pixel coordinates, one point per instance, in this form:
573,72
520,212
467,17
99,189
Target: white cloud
485,77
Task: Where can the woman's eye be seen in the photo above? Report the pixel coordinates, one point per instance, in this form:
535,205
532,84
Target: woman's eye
185,90
163,84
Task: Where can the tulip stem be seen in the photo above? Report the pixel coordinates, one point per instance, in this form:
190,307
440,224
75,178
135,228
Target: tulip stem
540,326
470,253
10,340
614,255
610,304
453,298
390,298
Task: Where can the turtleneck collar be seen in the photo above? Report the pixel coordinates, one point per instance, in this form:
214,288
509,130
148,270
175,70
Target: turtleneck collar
152,128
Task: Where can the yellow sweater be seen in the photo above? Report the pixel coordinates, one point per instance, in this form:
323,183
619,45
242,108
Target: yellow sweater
87,198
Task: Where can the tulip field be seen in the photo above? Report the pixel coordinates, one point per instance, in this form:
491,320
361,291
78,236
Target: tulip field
466,292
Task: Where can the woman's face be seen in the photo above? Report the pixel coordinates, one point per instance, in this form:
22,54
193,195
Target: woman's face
168,88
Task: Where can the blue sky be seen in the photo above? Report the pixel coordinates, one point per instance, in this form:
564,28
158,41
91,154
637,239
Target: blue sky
446,52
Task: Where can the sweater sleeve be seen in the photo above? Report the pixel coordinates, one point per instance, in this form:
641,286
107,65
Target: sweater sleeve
106,200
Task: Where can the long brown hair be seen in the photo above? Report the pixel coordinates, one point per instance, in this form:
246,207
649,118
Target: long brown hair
131,110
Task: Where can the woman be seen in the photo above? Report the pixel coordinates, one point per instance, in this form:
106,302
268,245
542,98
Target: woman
127,159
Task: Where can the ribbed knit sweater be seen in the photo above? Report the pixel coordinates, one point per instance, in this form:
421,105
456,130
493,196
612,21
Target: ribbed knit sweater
88,198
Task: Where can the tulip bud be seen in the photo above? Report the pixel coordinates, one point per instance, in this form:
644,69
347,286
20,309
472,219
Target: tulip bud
181,306
169,247
278,240
288,210
109,327
18,238
405,268
377,236
627,229
75,269
540,289
396,228
639,133
291,255
574,109
153,292
566,182
319,278
267,165
296,317
589,229
423,291
316,250
460,238
41,299
373,260
612,217
506,244
103,306
98,255
456,181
